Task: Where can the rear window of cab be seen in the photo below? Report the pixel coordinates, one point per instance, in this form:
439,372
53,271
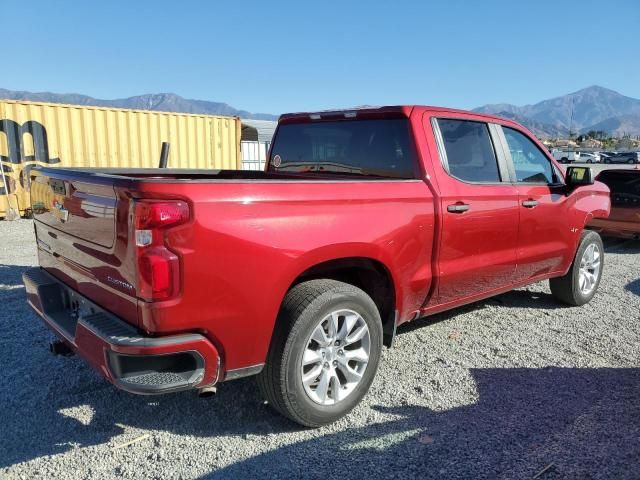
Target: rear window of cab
376,148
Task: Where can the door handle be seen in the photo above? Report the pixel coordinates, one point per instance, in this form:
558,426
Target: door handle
530,203
458,208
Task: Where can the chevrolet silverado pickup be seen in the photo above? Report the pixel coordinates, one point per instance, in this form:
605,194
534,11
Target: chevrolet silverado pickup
362,220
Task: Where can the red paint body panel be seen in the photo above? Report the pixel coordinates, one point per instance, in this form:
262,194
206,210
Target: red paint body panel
98,265
477,249
546,239
249,238
247,246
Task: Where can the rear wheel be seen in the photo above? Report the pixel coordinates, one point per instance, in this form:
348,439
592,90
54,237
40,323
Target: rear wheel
631,160
324,353
581,282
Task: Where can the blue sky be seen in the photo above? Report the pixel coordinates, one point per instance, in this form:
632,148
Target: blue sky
291,56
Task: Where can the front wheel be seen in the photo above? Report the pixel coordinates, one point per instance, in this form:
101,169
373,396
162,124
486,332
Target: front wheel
324,353
580,283
631,161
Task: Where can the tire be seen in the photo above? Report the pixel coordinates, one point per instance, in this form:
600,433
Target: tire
589,161
307,307
607,161
564,160
569,288
631,161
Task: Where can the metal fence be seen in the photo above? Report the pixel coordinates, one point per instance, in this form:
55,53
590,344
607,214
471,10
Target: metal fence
254,154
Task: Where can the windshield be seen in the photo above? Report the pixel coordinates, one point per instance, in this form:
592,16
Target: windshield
381,148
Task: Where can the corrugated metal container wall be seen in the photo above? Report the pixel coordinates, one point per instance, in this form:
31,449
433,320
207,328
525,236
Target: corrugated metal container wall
78,136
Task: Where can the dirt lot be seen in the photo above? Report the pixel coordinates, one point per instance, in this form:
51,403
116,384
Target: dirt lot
507,388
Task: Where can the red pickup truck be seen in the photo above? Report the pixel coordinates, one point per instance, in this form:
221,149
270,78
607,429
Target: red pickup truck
167,280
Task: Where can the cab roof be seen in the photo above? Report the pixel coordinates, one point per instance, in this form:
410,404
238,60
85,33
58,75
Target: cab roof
388,111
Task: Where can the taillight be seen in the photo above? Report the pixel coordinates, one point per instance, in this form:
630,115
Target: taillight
158,266
160,214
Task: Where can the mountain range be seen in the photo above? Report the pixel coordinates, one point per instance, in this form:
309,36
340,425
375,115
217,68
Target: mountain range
162,102
592,108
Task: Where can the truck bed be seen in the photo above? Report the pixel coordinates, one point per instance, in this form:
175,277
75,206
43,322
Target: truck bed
155,175
248,236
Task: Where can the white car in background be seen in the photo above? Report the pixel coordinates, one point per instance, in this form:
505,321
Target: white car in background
564,156
590,157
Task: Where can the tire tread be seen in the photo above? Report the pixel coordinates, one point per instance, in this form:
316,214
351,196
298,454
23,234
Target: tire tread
564,288
272,379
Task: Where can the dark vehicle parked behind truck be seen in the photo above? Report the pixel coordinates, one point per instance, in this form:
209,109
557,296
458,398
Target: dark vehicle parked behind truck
624,219
361,221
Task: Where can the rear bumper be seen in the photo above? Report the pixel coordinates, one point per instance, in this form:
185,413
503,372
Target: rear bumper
132,361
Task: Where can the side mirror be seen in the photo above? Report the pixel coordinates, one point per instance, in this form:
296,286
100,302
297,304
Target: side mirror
578,176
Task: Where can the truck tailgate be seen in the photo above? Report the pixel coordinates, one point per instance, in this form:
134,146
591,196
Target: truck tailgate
83,210
80,240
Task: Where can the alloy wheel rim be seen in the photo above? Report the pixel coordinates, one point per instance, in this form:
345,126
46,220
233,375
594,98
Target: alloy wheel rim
589,269
335,357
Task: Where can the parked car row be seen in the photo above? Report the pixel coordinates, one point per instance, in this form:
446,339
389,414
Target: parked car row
564,156
622,157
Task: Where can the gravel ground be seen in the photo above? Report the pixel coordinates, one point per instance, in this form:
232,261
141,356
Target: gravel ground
500,389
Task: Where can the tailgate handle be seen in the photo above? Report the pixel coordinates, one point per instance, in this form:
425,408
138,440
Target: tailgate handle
530,203
458,208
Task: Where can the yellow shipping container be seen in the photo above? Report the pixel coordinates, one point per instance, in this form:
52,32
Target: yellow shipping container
34,133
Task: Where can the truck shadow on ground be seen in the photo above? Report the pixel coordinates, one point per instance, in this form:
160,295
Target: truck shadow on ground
621,246
11,276
634,286
523,298
523,418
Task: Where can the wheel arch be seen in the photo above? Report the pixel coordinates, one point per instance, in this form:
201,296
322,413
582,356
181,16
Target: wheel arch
367,272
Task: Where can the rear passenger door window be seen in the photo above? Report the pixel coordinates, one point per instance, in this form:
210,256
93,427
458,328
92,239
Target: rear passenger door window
529,163
468,152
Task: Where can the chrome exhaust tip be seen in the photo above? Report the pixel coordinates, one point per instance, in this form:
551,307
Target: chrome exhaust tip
207,392
58,347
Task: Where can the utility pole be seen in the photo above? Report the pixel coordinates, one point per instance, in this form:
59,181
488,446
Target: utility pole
571,119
